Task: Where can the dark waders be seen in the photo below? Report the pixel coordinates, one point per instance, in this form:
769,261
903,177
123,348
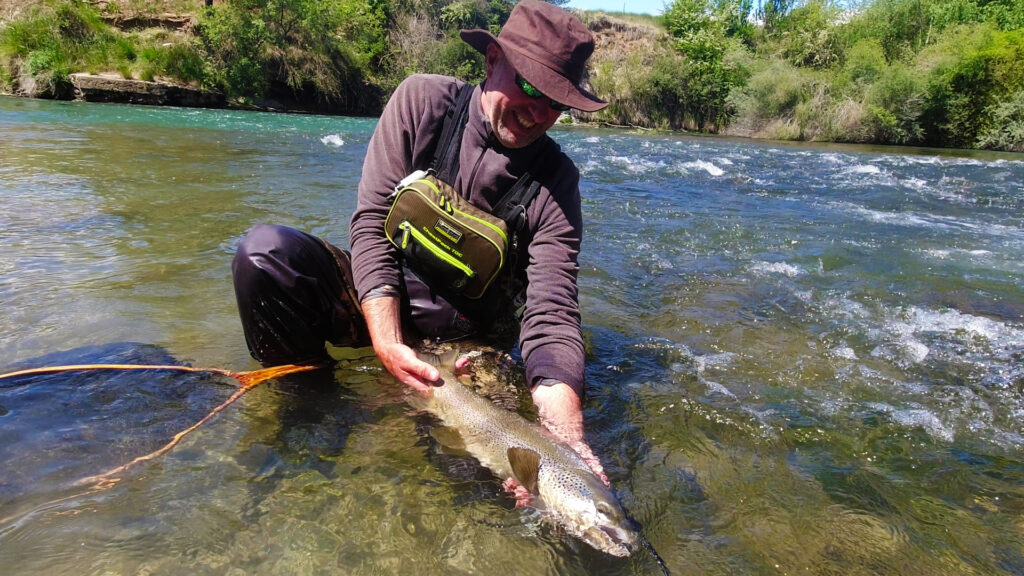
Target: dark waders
294,293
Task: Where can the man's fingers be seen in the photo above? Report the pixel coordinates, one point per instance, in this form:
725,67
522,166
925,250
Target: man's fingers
415,383
519,492
427,372
420,374
583,449
403,363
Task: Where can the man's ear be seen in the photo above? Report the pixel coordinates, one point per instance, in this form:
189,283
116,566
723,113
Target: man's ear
493,54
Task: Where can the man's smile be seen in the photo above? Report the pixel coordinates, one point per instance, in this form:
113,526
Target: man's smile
524,121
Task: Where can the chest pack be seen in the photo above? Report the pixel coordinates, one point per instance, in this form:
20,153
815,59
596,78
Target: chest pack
441,234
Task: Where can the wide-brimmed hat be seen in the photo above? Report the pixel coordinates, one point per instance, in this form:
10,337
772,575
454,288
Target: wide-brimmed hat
548,47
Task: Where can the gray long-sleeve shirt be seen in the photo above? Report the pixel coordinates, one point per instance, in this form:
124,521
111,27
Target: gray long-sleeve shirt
404,140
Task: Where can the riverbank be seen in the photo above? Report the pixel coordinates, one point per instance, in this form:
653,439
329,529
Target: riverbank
809,74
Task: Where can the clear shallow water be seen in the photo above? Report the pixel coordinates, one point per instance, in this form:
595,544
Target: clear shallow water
803,359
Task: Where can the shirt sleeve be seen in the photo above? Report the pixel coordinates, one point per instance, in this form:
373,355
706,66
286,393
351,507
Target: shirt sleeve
402,142
551,339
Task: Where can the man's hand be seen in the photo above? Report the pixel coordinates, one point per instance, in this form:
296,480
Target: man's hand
403,363
561,413
384,323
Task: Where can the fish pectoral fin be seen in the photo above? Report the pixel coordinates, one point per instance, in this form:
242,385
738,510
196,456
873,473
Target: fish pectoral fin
525,464
449,438
444,360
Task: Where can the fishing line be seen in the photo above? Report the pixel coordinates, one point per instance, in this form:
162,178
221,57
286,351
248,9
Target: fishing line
654,555
248,381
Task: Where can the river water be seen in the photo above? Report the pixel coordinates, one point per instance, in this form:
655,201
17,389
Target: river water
803,359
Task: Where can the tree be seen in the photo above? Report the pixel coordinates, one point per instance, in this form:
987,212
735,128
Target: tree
771,12
701,33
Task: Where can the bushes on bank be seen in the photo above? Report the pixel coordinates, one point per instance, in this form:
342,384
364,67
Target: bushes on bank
317,51
48,45
643,90
648,81
704,34
964,90
56,39
1006,132
419,46
931,72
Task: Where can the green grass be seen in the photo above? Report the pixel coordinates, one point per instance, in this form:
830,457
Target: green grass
54,39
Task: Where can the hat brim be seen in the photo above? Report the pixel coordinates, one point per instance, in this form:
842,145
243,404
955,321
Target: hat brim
551,83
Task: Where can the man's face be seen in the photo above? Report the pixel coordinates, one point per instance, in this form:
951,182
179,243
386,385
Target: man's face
517,119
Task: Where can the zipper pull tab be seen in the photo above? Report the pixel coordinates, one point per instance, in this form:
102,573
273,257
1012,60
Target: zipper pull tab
406,231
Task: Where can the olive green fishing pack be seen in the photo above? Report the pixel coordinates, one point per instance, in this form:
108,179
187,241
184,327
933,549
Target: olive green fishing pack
444,237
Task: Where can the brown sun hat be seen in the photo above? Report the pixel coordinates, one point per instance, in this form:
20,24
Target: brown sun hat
548,47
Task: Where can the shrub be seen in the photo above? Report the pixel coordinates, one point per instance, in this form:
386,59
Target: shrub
236,41
1006,131
773,92
1006,14
850,121
662,99
181,60
865,63
896,101
54,40
638,78
963,90
49,44
806,37
707,77
362,25
294,46
456,58
902,27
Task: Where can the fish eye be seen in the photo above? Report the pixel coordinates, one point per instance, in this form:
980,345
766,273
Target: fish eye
604,509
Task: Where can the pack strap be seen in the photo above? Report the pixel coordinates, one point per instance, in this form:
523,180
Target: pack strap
512,206
446,154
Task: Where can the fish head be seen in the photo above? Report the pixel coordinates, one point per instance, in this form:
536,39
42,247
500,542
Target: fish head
590,511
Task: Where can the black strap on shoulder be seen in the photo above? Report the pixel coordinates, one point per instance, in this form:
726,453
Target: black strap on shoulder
512,206
446,155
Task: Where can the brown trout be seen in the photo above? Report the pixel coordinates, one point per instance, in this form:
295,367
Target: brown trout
511,446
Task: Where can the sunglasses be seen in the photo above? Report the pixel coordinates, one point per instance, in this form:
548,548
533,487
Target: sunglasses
531,91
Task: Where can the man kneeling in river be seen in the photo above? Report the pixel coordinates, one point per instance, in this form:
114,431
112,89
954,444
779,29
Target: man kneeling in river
296,291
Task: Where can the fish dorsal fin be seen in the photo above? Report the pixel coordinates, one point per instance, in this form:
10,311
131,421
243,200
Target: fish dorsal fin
525,464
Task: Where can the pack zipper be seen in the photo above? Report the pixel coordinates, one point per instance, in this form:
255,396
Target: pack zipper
409,230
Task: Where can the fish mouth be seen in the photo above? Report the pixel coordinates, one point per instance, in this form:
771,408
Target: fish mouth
612,540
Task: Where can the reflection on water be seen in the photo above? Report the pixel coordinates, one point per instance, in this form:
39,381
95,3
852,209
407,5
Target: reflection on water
802,359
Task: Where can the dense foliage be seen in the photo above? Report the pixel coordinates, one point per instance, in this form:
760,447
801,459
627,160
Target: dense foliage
59,38
923,72
317,51
926,72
